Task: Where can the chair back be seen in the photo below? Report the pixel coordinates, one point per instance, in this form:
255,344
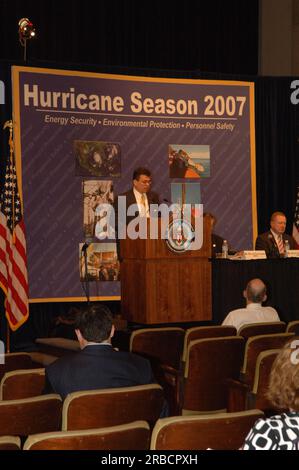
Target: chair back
159,345
223,431
210,363
261,380
15,361
293,327
112,406
201,332
265,328
254,346
10,443
131,436
30,415
22,384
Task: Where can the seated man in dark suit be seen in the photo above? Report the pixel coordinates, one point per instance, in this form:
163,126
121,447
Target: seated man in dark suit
217,240
273,241
97,365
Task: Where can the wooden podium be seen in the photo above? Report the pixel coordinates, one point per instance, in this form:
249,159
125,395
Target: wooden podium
161,286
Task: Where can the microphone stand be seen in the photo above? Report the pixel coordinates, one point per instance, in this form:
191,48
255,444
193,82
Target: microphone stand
86,276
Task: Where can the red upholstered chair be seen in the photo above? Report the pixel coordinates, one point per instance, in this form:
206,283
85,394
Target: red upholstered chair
22,384
254,346
201,332
30,415
256,398
15,361
267,328
163,346
220,431
10,443
209,365
131,436
238,389
293,327
112,406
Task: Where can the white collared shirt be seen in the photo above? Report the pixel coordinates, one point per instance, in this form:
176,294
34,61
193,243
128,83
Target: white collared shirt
143,210
253,313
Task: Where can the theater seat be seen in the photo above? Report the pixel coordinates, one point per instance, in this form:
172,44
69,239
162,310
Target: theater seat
22,384
112,406
264,328
14,361
131,436
10,443
223,431
30,415
293,327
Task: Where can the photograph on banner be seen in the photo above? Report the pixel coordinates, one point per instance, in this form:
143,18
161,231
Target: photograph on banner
102,262
95,219
97,158
189,161
185,196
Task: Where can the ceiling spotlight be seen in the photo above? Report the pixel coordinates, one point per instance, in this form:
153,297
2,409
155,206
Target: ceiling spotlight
26,31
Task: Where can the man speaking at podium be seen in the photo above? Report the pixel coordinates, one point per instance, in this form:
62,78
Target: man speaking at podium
141,193
274,240
140,197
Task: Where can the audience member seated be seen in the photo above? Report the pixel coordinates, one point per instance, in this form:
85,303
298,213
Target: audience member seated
97,365
255,294
273,241
280,432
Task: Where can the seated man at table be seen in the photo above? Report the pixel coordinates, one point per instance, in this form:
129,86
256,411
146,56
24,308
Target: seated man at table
255,293
274,240
217,240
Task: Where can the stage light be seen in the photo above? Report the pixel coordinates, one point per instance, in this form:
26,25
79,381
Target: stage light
26,31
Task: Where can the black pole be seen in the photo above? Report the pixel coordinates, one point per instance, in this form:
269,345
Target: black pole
86,274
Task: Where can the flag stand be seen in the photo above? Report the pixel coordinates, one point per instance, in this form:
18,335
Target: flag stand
7,338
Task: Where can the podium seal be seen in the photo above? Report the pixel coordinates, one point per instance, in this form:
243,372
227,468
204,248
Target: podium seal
179,235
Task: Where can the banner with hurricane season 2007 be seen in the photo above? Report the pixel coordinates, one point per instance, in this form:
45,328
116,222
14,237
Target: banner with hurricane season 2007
78,138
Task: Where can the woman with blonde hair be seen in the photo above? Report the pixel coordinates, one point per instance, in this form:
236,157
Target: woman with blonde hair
280,432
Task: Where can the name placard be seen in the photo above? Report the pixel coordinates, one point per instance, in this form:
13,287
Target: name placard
249,254
293,254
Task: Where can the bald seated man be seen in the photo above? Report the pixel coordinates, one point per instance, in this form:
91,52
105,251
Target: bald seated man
255,294
274,240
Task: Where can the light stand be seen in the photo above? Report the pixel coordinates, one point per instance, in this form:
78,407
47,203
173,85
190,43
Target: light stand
26,31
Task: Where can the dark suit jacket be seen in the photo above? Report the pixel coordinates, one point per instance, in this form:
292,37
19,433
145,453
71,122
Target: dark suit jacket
97,367
217,243
152,198
267,242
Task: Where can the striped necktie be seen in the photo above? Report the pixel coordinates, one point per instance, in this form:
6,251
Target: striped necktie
280,244
143,204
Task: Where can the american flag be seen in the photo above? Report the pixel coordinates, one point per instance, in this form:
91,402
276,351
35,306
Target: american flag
296,221
13,260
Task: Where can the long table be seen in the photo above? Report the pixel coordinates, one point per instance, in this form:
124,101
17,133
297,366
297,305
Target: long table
229,279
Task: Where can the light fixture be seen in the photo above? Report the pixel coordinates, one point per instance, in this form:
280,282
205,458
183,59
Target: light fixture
26,31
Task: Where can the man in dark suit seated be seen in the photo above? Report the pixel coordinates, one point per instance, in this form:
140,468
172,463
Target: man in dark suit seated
217,240
97,365
273,241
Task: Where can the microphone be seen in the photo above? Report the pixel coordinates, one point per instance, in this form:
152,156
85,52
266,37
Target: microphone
86,245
